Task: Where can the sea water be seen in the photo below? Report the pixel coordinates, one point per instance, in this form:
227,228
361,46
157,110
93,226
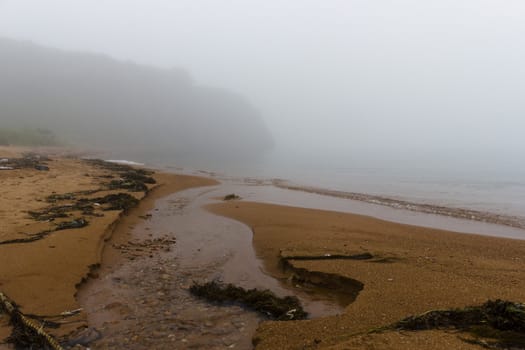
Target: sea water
486,186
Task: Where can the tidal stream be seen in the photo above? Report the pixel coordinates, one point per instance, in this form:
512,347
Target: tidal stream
144,302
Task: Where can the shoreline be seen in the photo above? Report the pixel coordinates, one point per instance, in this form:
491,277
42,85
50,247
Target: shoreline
454,212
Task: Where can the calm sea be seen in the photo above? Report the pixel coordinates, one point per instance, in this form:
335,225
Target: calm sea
481,186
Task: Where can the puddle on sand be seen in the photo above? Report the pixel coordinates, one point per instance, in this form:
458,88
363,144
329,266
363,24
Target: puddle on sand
144,303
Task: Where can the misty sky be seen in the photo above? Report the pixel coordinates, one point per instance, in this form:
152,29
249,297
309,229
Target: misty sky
352,76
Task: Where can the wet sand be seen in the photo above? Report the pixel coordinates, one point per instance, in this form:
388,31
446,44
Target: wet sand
143,301
415,269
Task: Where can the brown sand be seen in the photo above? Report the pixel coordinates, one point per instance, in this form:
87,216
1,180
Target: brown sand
423,269
42,276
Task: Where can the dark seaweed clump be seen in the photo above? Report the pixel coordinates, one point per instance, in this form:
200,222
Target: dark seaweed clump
76,223
69,196
63,211
131,179
230,197
27,333
28,161
24,337
501,320
119,201
130,185
263,301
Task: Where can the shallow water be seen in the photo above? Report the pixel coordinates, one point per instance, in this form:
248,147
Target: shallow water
145,302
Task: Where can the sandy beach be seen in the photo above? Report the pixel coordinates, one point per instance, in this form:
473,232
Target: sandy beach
411,270
42,276
121,268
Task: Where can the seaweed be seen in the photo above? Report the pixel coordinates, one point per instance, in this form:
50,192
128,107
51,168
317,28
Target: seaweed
29,239
119,168
119,201
130,185
231,196
60,197
263,301
134,175
28,160
27,333
76,223
51,213
499,314
500,320
131,179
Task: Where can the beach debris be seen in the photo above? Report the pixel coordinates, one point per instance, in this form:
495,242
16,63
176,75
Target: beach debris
231,196
27,333
71,312
263,301
499,320
6,168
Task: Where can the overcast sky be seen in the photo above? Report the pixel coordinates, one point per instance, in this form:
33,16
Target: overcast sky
352,76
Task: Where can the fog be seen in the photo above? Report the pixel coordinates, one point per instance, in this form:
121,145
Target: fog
374,82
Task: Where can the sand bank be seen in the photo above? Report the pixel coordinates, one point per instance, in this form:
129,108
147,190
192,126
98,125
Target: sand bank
42,276
411,270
